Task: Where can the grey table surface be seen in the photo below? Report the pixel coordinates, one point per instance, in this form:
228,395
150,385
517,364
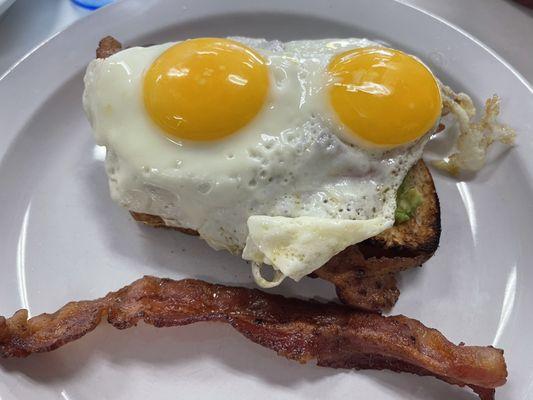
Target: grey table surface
504,25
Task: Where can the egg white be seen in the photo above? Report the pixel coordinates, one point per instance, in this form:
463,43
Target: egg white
273,187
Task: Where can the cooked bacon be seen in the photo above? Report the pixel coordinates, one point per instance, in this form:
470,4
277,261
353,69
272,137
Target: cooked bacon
373,293
334,335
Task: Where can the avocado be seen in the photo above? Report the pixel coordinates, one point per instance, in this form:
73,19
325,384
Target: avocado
408,199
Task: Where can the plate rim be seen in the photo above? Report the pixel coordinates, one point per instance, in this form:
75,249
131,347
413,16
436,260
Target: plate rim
126,8
111,8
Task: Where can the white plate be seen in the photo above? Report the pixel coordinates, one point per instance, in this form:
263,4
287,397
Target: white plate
63,238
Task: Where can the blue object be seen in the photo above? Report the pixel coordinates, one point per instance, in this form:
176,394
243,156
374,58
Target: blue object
92,4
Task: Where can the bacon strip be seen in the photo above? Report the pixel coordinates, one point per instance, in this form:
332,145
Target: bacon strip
372,293
334,335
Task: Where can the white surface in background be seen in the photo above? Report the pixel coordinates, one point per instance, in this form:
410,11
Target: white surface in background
502,24
27,23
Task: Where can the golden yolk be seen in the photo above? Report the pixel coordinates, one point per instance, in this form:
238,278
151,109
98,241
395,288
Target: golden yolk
205,89
384,96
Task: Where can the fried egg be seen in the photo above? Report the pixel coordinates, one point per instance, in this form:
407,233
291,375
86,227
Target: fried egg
282,153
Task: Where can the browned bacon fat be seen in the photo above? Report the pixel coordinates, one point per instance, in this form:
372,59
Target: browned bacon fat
333,335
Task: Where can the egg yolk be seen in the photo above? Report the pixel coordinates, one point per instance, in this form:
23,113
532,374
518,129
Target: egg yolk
384,96
205,89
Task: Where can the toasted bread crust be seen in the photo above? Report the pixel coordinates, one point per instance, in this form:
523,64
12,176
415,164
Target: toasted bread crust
420,234
363,274
107,47
158,222
403,246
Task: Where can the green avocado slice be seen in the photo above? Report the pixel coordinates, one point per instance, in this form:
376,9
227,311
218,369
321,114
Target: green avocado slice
408,199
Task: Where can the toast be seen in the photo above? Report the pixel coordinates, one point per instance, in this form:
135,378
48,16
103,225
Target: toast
363,274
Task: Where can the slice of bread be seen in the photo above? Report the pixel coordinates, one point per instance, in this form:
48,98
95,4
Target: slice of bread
364,274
